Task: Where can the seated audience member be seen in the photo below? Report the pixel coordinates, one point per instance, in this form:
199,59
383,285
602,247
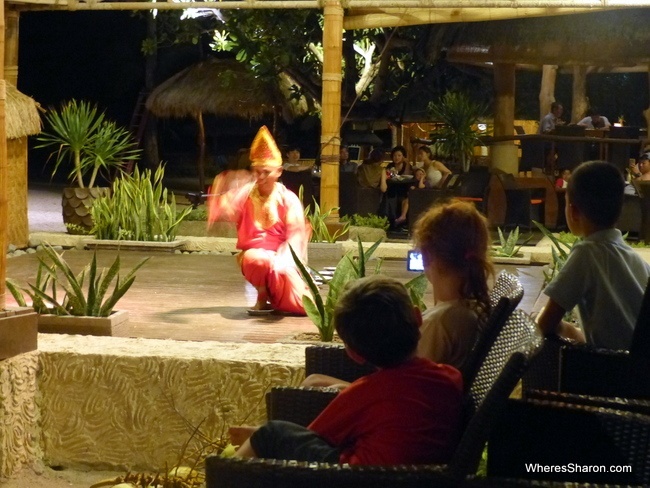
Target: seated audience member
551,119
454,241
399,163
345,165
372,172
603,276
436,171
408,412
293,162
562,182
594,120
421,182
641,169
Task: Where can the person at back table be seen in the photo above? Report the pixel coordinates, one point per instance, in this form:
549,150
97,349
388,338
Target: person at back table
293,162
372,172
345,165
552,119
594,120
436,171
603,276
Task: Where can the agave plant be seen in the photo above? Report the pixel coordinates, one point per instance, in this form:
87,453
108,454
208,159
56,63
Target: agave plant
81,134
562,246
508,246
349,268
93,299
456,137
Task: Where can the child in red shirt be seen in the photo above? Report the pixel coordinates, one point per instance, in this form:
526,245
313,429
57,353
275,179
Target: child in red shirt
406,413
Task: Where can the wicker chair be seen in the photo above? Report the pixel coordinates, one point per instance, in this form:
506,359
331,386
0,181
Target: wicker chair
583,369
562,434
226,473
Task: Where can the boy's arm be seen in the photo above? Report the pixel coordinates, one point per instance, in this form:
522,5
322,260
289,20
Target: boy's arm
550,322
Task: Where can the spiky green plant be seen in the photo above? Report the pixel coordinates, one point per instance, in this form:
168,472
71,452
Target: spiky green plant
81,134
562,245
138,209
318,222
508,247
456,137
349,268
92,298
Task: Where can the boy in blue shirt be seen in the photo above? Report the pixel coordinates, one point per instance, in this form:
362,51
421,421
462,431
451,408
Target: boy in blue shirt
603,276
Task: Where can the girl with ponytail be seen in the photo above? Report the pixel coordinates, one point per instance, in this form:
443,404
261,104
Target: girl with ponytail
454,241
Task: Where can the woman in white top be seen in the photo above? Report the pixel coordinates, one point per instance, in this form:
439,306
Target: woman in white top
437,172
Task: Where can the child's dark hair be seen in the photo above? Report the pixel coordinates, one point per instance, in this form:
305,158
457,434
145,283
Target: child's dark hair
596,189
455,234
375,318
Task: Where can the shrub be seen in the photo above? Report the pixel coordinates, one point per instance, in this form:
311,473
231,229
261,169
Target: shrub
371,220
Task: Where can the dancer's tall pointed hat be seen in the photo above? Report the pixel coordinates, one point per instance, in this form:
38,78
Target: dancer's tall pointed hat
264,150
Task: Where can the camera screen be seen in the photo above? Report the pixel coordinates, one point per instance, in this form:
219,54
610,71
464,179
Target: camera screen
414,261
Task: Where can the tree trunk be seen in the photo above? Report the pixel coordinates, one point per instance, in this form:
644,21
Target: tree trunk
580,103
150,137
646,112
504,154
547,90
3,163
201,161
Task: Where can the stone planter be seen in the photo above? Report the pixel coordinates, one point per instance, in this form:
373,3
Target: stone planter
520,258
329,251
199,228
68,324
367,234
148,246
76,203
18,332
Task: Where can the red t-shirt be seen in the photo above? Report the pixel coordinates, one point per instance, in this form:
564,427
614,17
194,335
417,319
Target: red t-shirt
409,414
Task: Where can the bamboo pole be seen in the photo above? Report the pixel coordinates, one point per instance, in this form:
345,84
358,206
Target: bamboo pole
579,102
331,106
350,4
504,154
3,164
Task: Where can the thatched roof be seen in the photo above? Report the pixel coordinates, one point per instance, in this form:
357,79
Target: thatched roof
22,118
224,88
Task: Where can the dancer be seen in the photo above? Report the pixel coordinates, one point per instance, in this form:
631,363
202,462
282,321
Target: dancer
269,219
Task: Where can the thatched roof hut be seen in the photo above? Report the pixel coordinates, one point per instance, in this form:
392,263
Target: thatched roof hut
226,88
21,114
22,120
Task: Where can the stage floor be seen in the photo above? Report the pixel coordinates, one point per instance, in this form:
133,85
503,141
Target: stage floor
201,297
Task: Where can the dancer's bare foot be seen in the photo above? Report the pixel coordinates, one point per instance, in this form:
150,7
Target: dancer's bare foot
400,220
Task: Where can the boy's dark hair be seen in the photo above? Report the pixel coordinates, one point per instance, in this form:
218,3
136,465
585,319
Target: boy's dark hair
596,189
376,320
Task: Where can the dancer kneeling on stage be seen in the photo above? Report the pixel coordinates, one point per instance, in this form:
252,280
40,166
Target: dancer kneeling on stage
269,219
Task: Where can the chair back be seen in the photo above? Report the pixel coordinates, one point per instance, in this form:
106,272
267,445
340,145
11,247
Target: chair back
506,285
474,186
519,333
470,448
640,349
293,180
354,199
333,360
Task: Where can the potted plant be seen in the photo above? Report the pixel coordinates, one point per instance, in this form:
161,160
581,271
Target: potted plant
137,209
84,138
348,268
325,235
85,308
456,137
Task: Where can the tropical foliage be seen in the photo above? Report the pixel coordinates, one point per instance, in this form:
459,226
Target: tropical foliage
139,208
508,246
562,245
81,135
80,298
371,220
349,268
457,135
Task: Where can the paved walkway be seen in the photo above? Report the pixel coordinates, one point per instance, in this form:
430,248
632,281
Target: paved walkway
44,208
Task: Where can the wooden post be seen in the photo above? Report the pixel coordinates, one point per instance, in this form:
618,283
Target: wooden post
3,163
579,103
504,154
547,90
331,106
